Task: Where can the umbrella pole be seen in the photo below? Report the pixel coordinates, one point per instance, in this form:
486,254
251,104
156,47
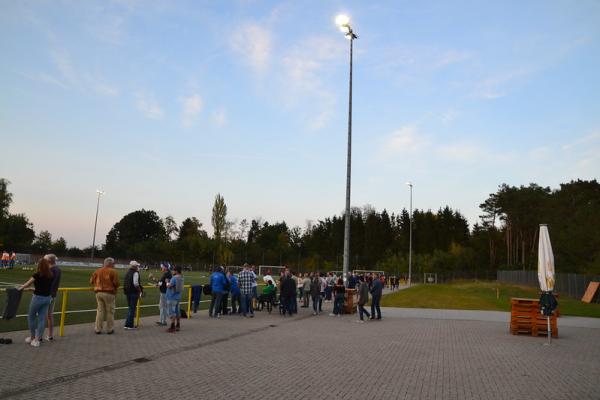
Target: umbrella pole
549,332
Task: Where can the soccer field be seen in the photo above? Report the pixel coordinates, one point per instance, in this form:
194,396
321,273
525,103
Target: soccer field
78,301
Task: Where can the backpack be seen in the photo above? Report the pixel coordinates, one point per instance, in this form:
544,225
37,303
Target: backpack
206,290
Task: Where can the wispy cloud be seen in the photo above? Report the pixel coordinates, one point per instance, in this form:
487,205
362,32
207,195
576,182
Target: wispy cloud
253,42
406,140
148,106
220,118
191,107
306,66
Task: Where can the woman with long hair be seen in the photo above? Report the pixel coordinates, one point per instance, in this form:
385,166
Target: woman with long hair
38,308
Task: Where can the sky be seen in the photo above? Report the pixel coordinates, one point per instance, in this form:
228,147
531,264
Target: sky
164,104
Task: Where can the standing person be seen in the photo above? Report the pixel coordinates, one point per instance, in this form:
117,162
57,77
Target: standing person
300,289
5,258
217,284
132,287
363,298
174,290
53,291
245,280
235,293
162,287
329,288
225,298
376,292
315,292
42,281
323,282
288,293
306,289
106,282
339,291
254,286
13,260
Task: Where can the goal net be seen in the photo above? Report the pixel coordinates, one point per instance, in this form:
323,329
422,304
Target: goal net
429,277
272,270
367,271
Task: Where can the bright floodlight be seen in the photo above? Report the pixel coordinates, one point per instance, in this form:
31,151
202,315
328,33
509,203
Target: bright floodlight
100,192
409,184
342,20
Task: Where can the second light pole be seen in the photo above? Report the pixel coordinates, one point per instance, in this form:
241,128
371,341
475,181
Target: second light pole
100,193
410,185
343,22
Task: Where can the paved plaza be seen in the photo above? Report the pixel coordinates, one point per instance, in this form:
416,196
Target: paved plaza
410,354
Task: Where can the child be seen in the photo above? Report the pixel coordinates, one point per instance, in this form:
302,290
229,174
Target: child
174,290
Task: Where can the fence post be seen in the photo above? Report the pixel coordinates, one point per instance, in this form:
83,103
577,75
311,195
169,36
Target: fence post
189,310
137,311
63,309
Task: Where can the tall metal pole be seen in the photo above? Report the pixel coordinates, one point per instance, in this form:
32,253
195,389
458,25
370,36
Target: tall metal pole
346,266
100,193
410,239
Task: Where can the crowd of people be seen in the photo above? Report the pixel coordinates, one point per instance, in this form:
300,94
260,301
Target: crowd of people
230,293
307,288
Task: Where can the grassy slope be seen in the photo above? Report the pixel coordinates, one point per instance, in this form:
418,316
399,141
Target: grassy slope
77,277
478,296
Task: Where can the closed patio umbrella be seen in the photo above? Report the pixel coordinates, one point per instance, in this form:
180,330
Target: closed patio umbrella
548,302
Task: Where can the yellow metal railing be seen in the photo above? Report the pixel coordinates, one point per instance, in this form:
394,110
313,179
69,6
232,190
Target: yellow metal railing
65,296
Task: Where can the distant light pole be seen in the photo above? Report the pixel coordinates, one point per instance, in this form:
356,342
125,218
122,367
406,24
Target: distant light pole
343,22
410,237
100,193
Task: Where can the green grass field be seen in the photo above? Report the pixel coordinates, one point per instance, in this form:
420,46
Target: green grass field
478,296
79,277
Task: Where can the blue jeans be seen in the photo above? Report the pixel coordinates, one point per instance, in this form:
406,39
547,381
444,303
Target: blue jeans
338,306
362,311
215,304
247,303
375,306
132,299
38,307
164,309
316,300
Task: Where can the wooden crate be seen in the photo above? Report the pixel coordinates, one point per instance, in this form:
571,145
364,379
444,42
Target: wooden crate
525,318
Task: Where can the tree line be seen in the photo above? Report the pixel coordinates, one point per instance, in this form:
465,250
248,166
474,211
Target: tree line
504,238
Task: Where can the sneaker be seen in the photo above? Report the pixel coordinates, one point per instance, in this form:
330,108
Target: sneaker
130,328
177,328
218,315
28,340
109,332
98,332
35,343
331,314
49,338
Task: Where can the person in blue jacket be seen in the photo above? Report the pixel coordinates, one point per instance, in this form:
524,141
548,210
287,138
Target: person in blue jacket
235,293
217,286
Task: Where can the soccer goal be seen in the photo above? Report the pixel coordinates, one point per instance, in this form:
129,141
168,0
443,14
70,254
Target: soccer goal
429,277
272,270
367,271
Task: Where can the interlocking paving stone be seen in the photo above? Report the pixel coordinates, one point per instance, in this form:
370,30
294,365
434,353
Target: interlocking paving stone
401,357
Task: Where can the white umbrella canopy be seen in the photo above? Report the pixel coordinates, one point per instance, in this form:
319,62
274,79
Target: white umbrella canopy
545,261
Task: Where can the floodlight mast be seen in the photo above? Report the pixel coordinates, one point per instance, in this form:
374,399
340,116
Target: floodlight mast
343,22
100,194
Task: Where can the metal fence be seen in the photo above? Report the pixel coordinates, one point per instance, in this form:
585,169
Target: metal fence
572,285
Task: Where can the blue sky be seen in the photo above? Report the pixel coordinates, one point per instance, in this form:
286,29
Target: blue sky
163,104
